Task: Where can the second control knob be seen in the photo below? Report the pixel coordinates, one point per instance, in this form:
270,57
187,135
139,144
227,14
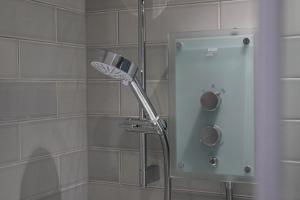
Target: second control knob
210,136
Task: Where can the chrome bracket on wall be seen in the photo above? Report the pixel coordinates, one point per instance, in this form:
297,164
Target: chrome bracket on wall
138,125
143,126
228,190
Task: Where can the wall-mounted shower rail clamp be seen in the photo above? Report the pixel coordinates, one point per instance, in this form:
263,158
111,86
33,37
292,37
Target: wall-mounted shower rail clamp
144,127
138,125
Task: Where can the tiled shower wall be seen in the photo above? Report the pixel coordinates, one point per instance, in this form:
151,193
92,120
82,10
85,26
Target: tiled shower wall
113,153
43,100
290,81
43,96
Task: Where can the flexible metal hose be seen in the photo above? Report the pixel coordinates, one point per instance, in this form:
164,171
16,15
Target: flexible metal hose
161,131
167,178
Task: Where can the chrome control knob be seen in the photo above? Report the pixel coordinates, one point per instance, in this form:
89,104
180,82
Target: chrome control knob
210,136
210,101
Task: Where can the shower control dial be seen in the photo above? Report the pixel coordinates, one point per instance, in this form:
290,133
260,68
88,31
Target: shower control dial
210,136
210,101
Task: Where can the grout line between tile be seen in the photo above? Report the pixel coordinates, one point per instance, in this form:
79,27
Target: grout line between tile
73,186
57,100
119,177
117,149
59,171
124,45
41,119
290,120
30,80
56,24
290,79
184,190
291,162
219,15
43,3
19,142
57,44
120,99
39,158
158,6
23,38
296,36
19,59
118,28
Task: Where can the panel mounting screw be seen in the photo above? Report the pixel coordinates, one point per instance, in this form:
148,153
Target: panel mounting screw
246,41
248,169
179,45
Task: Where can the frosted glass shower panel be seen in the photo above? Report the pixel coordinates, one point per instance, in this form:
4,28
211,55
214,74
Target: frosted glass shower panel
211,105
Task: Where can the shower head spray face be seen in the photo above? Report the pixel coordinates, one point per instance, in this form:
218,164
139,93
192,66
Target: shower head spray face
120,68
116,66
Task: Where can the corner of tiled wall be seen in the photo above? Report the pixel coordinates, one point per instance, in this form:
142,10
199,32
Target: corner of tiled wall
113,25
43,138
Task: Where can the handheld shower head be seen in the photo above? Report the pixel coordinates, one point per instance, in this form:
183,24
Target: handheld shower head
116,66
120,68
